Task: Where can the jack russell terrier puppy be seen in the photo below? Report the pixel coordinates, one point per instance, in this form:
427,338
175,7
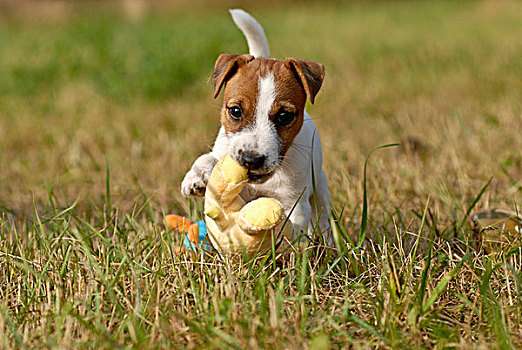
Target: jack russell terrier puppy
266,129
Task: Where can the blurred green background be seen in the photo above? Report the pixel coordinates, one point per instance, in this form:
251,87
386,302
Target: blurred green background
130,81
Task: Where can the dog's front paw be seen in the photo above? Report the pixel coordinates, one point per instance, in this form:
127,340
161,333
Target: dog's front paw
193,185
195,182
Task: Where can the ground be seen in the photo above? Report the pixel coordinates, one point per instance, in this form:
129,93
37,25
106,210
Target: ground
103,110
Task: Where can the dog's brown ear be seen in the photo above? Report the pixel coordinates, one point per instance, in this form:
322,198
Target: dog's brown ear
226,66
309,73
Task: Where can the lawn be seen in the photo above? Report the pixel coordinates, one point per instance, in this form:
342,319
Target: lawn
103,110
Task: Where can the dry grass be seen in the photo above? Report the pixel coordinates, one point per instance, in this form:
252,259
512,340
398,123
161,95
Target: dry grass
79,268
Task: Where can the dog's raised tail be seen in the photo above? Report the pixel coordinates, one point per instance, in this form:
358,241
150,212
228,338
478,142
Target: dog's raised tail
254,33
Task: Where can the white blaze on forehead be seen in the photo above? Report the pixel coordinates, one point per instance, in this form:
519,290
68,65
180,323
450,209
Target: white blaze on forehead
265,132
265,98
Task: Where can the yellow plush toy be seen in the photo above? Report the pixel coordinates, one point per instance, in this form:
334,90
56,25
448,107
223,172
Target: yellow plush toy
235,226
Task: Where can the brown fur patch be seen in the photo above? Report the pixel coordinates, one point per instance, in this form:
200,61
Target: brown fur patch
241,90
289,97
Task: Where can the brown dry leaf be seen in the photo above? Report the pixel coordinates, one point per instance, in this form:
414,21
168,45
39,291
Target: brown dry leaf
498,229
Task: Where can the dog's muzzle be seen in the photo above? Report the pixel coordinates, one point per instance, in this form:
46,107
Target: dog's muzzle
251,160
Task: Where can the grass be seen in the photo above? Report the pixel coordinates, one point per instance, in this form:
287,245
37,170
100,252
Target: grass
101,115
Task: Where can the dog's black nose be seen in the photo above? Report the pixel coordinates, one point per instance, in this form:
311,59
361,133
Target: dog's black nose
252,161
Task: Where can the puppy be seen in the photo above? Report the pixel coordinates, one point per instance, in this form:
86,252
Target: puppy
264,127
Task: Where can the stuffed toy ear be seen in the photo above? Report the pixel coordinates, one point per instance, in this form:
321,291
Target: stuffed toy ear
226,66
309,73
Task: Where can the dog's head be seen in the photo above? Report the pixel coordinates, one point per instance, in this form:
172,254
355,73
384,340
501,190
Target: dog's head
263,106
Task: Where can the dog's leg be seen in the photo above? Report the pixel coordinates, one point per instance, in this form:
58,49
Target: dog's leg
195,181
300,217
323,204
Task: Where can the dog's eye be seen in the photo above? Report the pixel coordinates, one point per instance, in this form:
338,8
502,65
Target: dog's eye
283,117
235,112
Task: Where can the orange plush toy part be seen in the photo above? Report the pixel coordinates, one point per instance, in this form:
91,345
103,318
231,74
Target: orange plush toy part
181,224
195,232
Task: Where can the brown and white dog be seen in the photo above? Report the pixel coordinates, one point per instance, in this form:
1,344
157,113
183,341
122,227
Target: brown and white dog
266,129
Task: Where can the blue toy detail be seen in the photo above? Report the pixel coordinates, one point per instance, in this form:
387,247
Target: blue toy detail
202,238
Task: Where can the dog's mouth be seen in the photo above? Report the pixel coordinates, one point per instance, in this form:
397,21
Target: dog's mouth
259,178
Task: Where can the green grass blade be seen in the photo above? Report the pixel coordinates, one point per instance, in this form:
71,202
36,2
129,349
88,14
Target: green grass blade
414,254
441,286
364,215
472,205
367,327
108,188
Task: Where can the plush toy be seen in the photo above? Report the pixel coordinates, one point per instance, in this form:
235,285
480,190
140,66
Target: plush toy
195,232
232,225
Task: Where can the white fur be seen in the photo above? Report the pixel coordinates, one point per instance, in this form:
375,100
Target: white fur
292,179
265,98
254,33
